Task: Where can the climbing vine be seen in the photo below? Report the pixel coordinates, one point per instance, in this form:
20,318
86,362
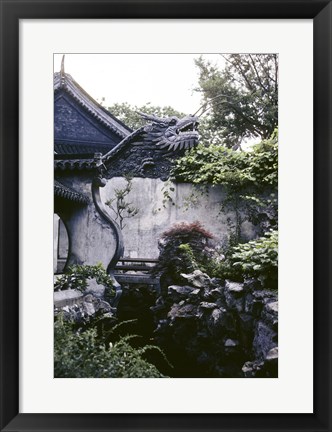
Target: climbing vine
250,179
120,206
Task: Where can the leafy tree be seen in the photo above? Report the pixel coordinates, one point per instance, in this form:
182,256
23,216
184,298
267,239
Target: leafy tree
243,97
130,116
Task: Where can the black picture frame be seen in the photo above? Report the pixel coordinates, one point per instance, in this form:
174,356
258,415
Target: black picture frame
14,10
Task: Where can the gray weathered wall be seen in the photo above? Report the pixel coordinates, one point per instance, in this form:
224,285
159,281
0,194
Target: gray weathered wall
141,232
91,239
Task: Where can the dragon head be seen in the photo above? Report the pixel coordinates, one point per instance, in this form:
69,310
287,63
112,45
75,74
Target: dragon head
171,132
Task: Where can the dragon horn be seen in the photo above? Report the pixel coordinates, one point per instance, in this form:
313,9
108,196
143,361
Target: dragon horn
148,116
209,101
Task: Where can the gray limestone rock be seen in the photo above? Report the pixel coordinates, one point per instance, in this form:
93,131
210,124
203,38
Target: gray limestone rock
250,369
182,311
228,324
206,305
231,343
234,287
92,304
265,339
272,355
88,308
98,290
246,322
234,295
265,295
272,308
255,301
198,279
217,322
178,293
216,293
270,314
216,281
195,295
251,284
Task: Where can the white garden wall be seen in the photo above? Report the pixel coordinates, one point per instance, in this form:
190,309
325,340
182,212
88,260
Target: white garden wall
141,232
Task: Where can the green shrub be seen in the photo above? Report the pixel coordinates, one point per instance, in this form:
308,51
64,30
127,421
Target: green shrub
187,256
80,353
76,277
255,259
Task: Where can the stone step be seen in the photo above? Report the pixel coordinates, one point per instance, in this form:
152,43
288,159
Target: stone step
67,298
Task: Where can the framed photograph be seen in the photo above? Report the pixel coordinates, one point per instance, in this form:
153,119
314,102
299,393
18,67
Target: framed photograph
105,126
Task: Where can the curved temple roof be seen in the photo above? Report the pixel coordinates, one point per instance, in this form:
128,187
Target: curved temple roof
68,193
64,81
74,163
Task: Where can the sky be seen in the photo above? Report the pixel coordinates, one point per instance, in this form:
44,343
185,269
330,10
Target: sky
138,79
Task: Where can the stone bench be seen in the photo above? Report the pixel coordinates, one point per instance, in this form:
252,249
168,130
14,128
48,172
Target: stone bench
137,271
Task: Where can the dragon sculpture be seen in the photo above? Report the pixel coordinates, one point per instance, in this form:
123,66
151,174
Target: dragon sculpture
168,133
171,132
